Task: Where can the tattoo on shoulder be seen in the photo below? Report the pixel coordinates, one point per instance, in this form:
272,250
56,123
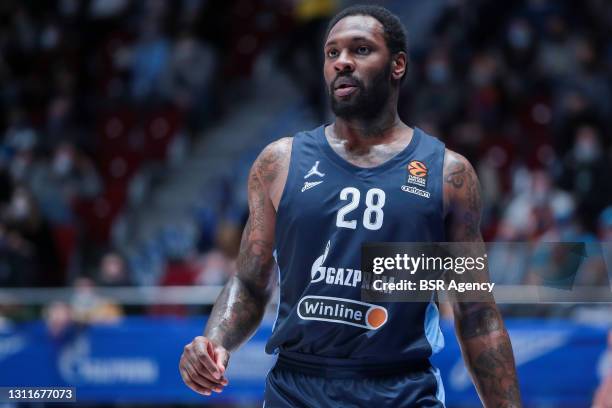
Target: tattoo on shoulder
263,174
464,192
271,159
456,174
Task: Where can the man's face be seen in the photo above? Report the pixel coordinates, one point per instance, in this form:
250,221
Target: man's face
357,67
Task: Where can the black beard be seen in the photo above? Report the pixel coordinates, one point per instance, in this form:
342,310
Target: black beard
369,101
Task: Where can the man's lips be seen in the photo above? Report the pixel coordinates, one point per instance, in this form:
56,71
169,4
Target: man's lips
345,86
343,81
345,90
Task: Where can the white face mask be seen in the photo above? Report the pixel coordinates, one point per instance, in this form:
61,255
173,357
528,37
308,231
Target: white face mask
62,163
20,207
585,151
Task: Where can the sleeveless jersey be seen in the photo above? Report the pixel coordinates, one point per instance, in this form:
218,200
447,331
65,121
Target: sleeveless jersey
328,208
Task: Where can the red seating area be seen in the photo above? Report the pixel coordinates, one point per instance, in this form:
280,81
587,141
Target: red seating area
126,139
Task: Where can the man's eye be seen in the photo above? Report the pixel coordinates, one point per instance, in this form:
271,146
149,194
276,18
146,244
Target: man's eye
363,50
332,53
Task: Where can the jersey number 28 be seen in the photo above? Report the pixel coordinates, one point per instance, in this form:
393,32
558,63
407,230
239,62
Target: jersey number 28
373,214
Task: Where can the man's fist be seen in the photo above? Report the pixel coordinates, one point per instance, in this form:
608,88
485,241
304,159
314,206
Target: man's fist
202,366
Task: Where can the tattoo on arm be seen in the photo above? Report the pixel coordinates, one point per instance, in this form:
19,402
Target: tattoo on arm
242,302
497,378
483,320
463,191
487,352
456,175
480,330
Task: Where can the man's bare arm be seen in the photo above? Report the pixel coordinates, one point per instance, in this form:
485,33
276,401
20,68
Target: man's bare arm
484,341
240,306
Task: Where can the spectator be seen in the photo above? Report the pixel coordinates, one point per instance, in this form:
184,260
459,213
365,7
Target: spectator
586,171
439,96
89,307
58,317
151,54
605,225
301,50
69,176
113,271
29,236
186,87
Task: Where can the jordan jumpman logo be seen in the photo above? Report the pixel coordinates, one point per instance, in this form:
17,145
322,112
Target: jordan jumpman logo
314,171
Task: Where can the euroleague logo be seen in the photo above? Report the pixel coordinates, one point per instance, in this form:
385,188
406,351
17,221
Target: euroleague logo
418,170
417,176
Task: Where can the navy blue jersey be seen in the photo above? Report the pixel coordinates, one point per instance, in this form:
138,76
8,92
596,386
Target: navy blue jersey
328,208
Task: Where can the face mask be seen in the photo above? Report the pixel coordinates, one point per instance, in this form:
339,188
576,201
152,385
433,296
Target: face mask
437,73
185,50
481,76
18,168
49,38
585,151
62,164
519,37
20,208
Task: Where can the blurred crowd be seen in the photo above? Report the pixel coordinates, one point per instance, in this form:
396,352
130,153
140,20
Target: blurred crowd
523,89
68,69
93,91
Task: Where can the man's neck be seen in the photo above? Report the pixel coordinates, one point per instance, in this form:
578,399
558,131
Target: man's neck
365,133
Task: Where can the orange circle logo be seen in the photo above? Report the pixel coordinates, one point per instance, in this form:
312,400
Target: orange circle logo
377,316
417,168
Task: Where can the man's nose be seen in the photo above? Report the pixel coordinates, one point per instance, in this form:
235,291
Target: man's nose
344,62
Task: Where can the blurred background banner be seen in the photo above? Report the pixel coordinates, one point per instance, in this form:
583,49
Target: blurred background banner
557,363
136,361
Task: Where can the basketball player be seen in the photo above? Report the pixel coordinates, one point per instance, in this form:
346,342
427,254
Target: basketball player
313,200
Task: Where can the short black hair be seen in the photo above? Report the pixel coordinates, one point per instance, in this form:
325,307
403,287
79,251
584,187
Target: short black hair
395,32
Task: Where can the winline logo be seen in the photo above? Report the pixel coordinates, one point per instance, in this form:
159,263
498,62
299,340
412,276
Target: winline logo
344,311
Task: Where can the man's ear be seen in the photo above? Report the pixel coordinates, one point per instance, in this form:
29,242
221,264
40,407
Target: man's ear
399,65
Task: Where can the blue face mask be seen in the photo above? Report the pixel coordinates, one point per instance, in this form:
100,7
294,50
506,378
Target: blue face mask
437,73
519,37
586,152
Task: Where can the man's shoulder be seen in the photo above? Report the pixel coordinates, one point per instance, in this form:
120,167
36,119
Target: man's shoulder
461,186
455,162
277,149
273,159
280,149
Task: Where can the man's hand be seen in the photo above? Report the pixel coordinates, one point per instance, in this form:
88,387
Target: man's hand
202,366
